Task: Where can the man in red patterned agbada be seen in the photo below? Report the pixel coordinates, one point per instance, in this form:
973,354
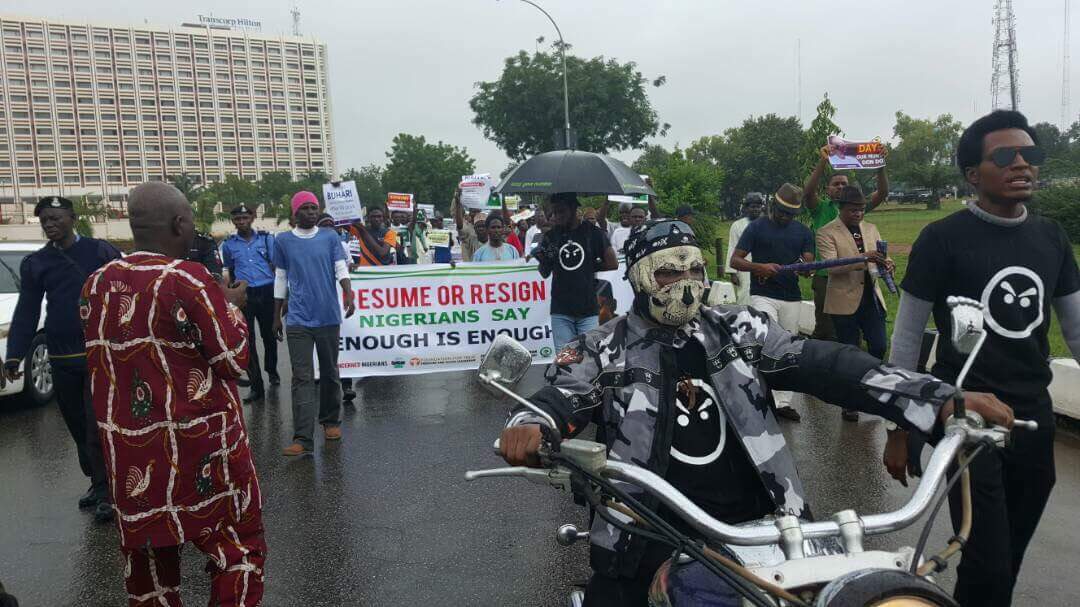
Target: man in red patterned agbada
165,344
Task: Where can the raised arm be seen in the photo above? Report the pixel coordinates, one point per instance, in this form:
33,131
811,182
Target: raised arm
810,188
455,205
881,193
602,214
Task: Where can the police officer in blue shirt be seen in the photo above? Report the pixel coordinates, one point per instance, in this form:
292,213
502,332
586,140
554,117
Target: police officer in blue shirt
56,272
246,256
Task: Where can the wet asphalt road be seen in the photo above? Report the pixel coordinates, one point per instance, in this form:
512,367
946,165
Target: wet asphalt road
386,518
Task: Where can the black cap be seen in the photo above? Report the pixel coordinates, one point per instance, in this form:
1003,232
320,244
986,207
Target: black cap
657,235
323,217
684,210
53,202
241,209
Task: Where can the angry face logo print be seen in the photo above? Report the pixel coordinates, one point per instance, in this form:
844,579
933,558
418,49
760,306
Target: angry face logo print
700,424
1013,300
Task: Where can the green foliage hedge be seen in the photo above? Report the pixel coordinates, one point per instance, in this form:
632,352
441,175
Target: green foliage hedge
1061,203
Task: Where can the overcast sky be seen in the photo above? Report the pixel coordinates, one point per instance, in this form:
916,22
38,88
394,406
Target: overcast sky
410,65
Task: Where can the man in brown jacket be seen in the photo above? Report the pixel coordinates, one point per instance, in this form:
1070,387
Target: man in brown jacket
853,299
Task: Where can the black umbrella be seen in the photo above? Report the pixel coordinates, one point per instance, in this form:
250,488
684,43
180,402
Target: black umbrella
573,171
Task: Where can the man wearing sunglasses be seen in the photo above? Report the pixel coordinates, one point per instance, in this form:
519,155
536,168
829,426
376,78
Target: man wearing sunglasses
772,241
1017,264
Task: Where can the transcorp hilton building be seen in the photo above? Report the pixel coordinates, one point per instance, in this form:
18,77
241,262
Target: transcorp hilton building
98,109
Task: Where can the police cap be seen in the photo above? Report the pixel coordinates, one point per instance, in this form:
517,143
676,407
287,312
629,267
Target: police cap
53,202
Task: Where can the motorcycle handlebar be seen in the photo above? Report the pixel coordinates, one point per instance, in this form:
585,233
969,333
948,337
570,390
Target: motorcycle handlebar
956,436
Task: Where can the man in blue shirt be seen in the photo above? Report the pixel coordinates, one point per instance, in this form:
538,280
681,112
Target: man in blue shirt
57,272
307,261
773,241
246,256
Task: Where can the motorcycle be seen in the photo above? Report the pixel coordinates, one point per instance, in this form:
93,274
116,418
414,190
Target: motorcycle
777,561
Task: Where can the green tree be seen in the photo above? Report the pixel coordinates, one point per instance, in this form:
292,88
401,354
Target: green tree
430,171
206,209
87,208
609,107
652,156
816,136
275,189
1062,151
924,156
312,181
369,184
234,191
680,181
757,156
188,184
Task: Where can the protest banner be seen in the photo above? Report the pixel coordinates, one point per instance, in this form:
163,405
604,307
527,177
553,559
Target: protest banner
523,215
636,199
476,190
423,319
844,154
342,201
428,209
513,201
438,238
438,317
396,201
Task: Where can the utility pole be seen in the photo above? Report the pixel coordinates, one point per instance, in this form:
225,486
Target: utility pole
1005,64
1066,111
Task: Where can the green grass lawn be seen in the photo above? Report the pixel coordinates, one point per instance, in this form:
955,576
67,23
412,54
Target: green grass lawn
900,224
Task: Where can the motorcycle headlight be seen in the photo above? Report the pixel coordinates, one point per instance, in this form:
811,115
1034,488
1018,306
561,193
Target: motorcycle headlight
4,330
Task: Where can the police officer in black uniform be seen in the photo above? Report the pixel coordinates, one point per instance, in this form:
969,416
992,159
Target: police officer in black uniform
56,273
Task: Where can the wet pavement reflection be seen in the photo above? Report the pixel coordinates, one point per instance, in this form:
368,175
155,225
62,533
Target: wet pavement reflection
385,517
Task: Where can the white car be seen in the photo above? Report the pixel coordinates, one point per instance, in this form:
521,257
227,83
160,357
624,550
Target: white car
36,384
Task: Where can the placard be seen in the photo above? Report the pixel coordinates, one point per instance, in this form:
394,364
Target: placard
396,201
342,202
476,190
844,154
438,238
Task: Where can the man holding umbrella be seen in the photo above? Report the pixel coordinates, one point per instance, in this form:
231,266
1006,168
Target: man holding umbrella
573,251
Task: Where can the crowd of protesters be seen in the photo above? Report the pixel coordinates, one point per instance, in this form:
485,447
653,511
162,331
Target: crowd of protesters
180,319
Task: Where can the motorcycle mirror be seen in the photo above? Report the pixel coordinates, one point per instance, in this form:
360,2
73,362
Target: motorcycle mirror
967,323
505,362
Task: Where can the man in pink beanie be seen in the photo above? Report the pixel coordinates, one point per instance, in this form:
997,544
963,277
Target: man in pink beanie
307,261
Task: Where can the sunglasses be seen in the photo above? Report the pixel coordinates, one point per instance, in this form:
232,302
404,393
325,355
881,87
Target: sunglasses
1003,157
667,227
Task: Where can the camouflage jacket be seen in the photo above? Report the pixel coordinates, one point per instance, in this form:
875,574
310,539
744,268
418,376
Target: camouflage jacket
622,376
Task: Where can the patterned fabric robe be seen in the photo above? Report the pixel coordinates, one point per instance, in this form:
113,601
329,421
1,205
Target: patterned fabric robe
622,376
163,351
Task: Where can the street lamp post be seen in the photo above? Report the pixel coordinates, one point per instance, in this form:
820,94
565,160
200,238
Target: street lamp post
562,52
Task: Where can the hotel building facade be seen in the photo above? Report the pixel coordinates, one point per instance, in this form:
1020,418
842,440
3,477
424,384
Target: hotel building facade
97,109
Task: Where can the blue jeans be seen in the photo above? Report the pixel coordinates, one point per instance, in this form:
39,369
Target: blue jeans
869,320
565,328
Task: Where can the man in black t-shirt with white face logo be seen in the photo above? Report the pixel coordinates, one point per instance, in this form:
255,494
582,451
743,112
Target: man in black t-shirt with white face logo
572,252
1017,265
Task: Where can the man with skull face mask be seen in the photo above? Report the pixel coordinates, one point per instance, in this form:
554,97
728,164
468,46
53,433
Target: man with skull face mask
680,389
